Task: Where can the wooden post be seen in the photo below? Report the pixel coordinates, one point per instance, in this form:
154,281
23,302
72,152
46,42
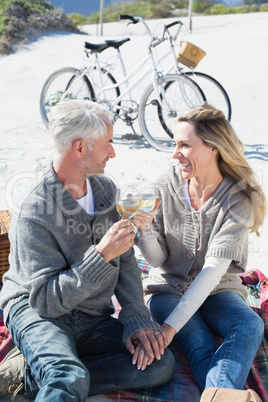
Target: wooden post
190,14
101,17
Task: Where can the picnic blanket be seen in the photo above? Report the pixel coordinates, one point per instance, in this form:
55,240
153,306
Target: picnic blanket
5,339
183,386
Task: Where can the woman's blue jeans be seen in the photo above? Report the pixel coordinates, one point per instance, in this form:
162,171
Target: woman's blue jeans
77,355
227,316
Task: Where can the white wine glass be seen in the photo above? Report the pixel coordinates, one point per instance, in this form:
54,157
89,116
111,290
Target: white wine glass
148,199
127,201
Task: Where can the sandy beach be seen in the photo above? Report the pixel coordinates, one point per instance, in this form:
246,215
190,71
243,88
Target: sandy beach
236,47
236,57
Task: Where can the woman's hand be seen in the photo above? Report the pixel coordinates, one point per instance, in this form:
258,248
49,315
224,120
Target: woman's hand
141,358
143,221
145,345
169,331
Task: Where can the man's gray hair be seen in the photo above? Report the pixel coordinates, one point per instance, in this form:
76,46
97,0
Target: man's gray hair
76,119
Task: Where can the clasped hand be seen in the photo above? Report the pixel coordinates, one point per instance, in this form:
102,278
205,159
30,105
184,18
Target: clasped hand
146,345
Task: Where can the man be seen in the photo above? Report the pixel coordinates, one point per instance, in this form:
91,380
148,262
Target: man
69,254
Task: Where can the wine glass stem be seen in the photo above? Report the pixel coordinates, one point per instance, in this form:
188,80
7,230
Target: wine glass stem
147,228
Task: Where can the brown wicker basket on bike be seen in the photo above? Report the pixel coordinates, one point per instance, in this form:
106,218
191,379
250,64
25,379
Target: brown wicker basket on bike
189,54
5,218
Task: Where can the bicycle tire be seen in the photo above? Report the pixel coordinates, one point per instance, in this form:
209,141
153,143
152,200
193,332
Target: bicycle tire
110,95
55,86
189,101
157,124
214,92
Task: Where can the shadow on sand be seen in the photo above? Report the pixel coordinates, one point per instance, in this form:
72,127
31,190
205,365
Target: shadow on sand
131,141
257,151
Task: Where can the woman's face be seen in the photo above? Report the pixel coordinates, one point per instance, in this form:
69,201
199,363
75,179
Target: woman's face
195,158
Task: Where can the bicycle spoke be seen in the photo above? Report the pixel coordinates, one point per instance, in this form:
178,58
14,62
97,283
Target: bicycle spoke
158,117
66,83
214,92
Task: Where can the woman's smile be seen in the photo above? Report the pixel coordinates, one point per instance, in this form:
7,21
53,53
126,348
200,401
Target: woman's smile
184,165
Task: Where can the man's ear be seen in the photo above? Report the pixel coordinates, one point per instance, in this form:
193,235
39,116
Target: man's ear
79,148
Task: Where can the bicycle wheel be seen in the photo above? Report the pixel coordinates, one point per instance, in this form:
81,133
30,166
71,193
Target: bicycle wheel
60,82
157,121
107,80
214,92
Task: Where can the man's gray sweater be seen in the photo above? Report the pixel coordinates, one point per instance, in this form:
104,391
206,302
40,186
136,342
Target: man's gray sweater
54,262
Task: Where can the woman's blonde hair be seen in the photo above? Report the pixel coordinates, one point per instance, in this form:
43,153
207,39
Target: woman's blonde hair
215,131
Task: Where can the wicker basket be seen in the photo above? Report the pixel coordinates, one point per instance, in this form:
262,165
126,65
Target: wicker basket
189,54
5,218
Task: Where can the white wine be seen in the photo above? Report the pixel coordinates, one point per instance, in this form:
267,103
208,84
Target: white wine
127,209
148,202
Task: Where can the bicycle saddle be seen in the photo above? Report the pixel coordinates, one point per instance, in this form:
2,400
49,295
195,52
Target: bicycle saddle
96,47
116,43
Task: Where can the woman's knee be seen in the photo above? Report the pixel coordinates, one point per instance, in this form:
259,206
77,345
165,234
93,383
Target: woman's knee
249,326
255,328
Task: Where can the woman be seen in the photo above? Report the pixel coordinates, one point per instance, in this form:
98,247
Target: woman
210,201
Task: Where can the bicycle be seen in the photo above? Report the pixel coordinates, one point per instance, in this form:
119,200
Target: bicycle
159,106
210,87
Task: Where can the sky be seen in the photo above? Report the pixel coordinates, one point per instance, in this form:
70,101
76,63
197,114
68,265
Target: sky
84,7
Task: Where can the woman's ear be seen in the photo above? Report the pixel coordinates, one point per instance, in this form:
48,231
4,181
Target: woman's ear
215,150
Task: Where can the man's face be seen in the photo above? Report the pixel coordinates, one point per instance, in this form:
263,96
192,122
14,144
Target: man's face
96,158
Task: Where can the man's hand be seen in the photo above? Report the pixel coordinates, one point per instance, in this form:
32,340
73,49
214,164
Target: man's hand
145,345
118,240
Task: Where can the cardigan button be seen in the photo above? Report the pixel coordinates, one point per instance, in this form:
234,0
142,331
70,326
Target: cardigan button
190,255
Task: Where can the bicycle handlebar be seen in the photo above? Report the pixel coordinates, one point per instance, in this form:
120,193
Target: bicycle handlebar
128,17
134,19
173,23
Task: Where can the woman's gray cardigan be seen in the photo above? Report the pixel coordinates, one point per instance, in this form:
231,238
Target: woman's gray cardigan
187,238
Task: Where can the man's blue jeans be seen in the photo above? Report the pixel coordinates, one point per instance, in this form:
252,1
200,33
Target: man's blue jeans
77,355
227,316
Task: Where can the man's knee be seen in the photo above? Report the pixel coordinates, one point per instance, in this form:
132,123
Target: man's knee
69,376
164,368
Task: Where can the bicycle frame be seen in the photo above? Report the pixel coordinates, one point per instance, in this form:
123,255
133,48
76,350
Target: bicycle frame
165,96
153,67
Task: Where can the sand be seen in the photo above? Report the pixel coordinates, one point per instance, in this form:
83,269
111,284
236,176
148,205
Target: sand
236,47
